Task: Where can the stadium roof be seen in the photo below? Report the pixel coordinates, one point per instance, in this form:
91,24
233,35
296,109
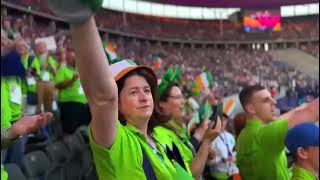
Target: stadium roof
236,3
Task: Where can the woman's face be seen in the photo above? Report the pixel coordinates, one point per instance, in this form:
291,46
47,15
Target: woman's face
136,101
174,106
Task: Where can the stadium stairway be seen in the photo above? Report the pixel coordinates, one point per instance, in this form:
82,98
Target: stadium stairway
299,59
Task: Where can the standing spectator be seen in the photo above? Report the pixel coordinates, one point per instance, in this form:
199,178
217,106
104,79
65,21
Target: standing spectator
29,86
47,72
174,132
73,104
255,157
12,72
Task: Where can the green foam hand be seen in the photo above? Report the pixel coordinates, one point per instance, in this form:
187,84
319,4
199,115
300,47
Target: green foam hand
171,76
74,11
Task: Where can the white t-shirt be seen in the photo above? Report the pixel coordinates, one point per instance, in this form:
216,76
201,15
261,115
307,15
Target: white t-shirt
224,146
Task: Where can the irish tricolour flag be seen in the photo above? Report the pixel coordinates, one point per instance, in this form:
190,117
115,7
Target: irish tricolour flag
111,53
203,81
157,63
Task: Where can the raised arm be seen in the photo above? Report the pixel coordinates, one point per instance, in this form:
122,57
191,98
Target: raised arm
199,161
26,125
97,81
308,112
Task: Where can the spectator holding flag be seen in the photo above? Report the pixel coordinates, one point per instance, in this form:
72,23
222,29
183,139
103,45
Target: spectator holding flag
174,134
157,65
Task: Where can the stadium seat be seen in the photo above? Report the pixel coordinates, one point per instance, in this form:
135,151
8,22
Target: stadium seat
74,144
36,164
55,173
57,152
72,169
87,162
82,132
14,172
36,142
92,174
55,129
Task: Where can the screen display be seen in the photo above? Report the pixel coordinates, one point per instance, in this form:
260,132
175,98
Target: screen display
262,20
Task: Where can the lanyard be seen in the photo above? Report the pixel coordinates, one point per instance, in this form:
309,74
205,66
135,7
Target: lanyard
158,154
225,141
190,146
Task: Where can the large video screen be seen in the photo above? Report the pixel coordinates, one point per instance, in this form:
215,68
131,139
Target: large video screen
262,20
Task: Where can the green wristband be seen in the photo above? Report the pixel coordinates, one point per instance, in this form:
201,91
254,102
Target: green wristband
95,5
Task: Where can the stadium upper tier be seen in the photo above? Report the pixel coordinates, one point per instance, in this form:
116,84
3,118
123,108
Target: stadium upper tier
157,27
232,67
152,27
233,3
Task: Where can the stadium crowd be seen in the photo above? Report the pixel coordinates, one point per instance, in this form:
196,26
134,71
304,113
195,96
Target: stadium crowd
232,68
171,28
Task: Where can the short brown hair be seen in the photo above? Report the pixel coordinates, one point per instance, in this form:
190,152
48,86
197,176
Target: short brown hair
152,81
247,93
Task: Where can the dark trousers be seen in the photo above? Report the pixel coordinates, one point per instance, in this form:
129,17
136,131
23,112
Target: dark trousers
74,115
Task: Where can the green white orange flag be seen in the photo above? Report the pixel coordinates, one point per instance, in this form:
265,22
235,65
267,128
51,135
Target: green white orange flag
111,53
202,81
157,63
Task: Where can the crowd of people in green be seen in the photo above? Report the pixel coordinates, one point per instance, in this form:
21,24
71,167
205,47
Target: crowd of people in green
138,124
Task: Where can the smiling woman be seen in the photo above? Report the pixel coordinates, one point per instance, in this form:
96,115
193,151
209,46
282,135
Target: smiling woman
174,135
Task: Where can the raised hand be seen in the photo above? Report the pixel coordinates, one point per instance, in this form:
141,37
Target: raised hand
29,124
213,130
200,132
